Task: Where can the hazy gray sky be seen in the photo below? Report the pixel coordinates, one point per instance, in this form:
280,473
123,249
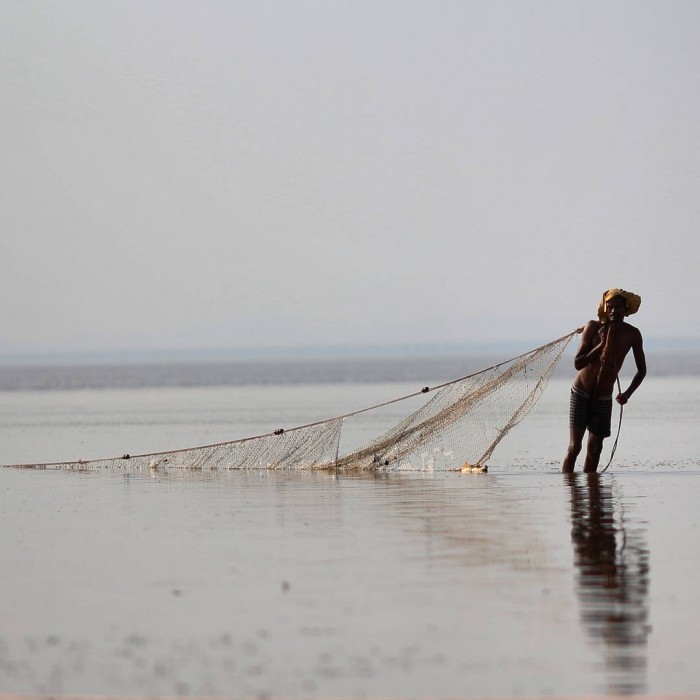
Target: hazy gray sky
222,174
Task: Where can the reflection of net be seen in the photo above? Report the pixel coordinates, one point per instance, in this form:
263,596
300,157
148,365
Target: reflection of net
463,422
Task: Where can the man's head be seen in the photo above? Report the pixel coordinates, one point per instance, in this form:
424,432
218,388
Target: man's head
616,304
616,308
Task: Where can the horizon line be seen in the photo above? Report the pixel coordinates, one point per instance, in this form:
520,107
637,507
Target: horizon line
316,352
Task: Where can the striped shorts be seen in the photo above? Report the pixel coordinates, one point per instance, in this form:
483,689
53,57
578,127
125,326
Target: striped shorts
590,413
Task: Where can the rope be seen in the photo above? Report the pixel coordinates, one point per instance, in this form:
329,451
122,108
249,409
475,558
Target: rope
619,390
619,426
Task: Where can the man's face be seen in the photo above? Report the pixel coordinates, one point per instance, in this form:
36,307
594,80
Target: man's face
615,308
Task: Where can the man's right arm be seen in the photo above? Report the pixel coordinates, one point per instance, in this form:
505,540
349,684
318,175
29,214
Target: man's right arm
588,352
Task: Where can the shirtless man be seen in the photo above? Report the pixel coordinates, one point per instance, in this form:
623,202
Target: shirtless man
604,345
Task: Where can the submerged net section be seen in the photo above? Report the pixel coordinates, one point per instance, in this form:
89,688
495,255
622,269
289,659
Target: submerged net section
462,422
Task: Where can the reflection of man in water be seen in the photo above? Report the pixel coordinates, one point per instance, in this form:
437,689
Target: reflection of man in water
613,581
604,346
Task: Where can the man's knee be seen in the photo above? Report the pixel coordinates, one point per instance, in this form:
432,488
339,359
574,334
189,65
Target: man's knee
574,449
575,441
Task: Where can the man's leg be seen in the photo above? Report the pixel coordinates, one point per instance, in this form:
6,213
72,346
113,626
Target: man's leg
575,442
593,450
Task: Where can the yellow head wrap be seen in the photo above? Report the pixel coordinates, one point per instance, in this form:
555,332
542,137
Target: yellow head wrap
631,300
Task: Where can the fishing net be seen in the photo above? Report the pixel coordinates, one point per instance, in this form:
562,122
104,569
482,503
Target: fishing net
460,422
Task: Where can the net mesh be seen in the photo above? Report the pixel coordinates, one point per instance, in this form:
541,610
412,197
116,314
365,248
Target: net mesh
462,422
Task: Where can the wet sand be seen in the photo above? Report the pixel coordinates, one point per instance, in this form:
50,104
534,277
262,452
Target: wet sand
520,582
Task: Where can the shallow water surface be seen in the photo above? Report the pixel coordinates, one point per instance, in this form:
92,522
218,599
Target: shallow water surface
521,581
287,584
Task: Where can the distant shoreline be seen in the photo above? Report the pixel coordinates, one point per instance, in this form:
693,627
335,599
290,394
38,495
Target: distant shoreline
294,371
500,350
